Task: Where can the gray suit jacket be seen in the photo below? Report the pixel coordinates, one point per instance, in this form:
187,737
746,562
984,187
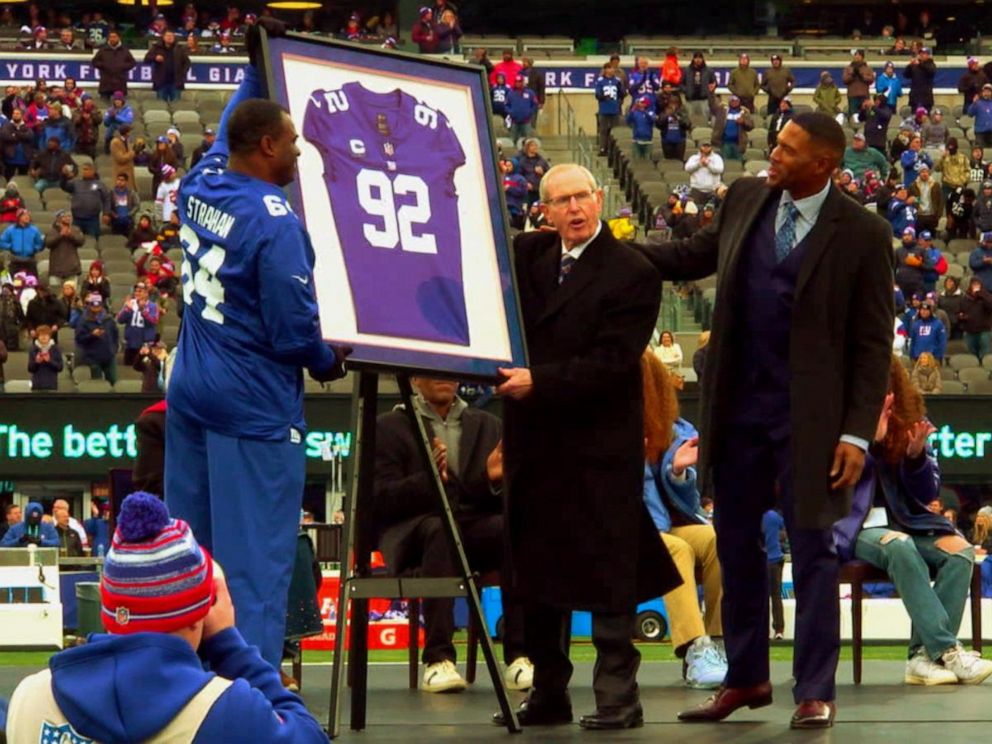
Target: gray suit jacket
840,341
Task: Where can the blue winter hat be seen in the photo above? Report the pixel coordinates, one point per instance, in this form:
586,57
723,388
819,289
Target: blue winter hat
910,231
926,235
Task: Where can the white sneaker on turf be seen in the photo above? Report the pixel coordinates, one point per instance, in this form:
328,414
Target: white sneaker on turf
443,677
920,670
705,664
968,666
519,675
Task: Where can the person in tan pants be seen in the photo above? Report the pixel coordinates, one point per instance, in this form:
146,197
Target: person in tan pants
672,498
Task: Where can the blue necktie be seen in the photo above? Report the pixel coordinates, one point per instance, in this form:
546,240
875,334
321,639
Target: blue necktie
785,238
567,262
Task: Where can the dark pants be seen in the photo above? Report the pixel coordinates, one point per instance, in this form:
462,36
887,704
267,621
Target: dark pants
167,93
10,170
614,679
483,540
750,465
773,103
983,139
854,104
605,124
88,225
673,150
775,594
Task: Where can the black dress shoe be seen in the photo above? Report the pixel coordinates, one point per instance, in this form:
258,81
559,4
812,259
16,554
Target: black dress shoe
631,716
541,710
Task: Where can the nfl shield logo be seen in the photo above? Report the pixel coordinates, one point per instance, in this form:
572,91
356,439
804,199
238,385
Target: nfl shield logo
123,615
64,734
388,147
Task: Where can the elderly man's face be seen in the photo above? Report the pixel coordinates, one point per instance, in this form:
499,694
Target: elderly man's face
573,206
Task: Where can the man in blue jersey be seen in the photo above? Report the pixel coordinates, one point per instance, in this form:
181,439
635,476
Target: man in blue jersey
235,462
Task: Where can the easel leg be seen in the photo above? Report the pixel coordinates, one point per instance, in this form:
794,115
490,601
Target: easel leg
471,590
355,562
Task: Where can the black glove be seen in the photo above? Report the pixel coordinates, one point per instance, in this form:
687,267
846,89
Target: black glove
30,540
337,370
253,38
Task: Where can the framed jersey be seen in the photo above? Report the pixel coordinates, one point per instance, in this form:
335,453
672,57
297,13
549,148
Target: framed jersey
399,188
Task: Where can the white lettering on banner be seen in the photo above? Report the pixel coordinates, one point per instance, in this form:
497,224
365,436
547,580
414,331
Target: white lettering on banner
590,80
388,636
566,79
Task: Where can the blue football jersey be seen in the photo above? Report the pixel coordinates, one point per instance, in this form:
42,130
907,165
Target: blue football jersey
389,164
251,320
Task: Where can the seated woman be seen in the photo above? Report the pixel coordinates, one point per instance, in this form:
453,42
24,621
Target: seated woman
891,527
672,498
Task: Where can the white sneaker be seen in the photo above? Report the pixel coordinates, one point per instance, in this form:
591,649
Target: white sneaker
921,671
443,677
968,666
519,675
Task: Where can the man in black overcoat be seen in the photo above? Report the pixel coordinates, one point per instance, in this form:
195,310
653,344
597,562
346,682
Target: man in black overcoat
580,534
797,368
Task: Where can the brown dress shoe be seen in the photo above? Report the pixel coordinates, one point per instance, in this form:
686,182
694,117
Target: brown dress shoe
728,699
289,682
814,714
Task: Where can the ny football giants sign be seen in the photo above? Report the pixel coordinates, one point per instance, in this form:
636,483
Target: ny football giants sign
399,191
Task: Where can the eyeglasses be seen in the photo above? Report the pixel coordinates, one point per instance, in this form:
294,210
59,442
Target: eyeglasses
581,198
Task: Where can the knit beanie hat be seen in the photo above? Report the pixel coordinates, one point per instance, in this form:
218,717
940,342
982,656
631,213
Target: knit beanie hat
155,576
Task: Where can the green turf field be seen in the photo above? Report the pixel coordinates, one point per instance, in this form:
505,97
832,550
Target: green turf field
581,651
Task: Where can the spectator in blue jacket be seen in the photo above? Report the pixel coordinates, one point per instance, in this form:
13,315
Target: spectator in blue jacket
97,338
890,527
980,260
981,109
521,107
671,495
532,167
499,94
641,120
44,360
59,126
32,531
610,92
115,117
927,334
902,211
139,316
889,84
24,240
644,80
674,124
913,159
772,526
167,613
515,192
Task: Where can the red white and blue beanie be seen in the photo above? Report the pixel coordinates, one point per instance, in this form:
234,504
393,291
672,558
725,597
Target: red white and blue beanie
155,576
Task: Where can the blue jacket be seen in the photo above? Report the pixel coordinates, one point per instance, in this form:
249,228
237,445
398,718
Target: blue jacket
115,119
982,111
662,494
45,375
610,94
646,83
98,530
976,261
49,537
97,349
772,525
891,87
521,105
907,488
23,242
642,123
139,328
901,215
129,687
911,162
63,129
500,94
927,335
515,190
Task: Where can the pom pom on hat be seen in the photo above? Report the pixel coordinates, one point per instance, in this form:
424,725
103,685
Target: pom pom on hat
142,517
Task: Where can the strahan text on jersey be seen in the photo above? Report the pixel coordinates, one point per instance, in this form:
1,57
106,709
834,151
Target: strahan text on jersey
251,320
389,165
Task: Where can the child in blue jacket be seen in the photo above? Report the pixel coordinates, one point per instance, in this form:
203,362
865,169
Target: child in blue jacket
927,334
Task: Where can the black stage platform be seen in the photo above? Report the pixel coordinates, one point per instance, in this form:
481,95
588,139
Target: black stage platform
881,710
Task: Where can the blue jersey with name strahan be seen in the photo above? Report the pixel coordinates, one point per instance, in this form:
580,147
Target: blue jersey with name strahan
251,317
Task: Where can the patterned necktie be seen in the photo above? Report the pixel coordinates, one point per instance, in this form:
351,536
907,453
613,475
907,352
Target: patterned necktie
785,238
567,262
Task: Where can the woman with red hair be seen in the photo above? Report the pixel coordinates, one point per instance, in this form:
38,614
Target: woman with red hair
671,446
890,527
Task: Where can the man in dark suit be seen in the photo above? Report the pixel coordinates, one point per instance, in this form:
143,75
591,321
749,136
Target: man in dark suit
796,372
580,534
469,457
